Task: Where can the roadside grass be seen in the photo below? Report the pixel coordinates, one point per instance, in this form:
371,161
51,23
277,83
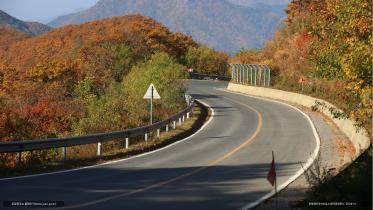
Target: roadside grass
85,155
352,186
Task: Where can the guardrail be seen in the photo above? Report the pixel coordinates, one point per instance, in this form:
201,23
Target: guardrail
208,76
40,144
251,74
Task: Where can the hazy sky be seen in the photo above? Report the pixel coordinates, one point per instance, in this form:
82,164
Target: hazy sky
42,10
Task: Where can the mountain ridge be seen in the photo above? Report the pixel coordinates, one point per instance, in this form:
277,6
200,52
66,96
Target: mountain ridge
29,28
217,23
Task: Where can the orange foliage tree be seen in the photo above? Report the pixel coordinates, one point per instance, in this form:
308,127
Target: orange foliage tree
47,81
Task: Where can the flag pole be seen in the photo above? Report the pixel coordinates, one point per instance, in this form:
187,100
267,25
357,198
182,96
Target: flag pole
273,157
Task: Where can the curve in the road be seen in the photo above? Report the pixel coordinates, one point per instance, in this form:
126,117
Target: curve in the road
214,169
300,171
214,162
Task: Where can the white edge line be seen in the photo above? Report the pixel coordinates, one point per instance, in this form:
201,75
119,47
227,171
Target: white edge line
121,160
299,172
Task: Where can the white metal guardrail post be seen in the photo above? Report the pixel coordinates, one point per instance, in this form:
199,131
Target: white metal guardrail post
237,73
63,153
233,73
98,149
127,143
258,75
261,75
257,81
265,76
251,74
247,74
234,78
242,74
255,74
269,76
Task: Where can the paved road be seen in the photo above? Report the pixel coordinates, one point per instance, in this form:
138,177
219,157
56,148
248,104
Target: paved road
221,167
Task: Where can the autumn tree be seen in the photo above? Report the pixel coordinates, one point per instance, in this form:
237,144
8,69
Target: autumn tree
122,106
342,41
206,60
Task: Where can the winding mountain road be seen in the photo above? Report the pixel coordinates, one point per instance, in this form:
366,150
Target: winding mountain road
222,166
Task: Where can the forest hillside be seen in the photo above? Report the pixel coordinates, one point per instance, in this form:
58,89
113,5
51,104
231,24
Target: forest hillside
90,78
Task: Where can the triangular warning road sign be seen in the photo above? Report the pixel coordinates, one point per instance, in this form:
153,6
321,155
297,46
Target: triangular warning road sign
152,91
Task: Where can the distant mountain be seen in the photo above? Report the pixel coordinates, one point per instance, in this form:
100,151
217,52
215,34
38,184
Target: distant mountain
30,28
217,23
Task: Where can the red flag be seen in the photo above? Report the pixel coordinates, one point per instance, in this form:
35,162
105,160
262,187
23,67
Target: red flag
271,176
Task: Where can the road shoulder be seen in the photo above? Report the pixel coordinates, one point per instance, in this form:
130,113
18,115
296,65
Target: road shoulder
335,148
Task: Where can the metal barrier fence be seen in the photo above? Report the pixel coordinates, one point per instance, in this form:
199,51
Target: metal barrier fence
251,74
193,75
40,144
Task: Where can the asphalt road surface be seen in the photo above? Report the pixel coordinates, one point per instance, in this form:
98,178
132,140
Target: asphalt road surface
223,166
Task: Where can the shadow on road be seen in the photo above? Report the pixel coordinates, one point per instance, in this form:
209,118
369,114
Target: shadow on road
215,187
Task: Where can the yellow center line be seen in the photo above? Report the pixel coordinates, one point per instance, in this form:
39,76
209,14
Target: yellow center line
248,141
159,184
